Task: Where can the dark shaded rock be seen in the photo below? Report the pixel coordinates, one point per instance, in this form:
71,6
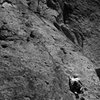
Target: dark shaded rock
5,32
52,4
98,72
28,24
33,5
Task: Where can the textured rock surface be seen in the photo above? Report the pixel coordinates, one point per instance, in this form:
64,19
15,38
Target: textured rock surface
41,46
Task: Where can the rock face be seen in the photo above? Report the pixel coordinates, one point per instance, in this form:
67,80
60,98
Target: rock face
42,43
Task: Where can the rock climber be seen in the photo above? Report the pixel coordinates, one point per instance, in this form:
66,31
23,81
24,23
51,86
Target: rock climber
75,86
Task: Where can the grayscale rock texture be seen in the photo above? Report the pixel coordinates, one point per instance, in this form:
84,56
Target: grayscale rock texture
43,42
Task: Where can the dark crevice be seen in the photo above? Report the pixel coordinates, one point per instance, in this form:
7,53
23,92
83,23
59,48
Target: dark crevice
3,38
68,34
29,3
28,39
4,45
5,56
57,26
67,11
63,50
32,35
8,1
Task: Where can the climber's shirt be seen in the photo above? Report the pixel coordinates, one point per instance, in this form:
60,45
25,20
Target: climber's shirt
75,79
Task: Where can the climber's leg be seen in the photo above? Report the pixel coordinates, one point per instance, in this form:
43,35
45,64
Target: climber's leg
76,95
